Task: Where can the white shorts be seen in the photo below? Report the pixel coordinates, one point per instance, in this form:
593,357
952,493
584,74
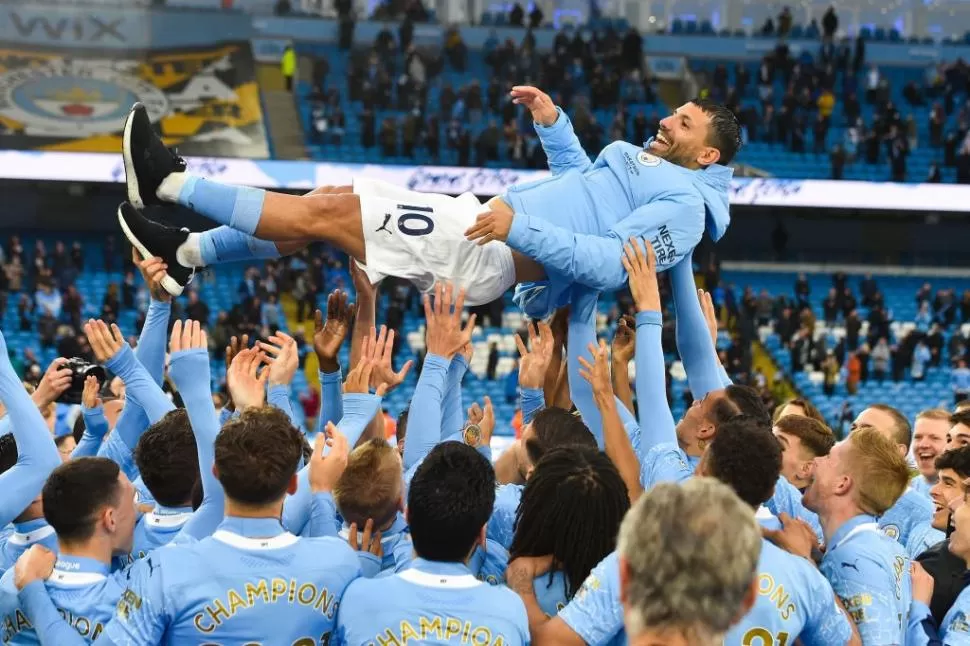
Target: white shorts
421,237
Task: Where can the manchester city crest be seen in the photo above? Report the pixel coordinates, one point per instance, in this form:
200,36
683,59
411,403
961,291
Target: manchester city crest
647,159
75,98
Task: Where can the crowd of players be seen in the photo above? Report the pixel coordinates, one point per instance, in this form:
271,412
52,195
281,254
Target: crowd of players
174,522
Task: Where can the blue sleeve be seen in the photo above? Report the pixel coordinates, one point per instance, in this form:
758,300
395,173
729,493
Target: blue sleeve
323,516
582,332
225,415
424,421
501,524
663,463
114,448
921,629
656,423
279,396
141,617
47,620
331,398
562,146
531,401
95,428
191,375
595,261
956,627
787,499
703,368
595,612
139,387
359,410
153,341
37,455
297,507
452,411
825,622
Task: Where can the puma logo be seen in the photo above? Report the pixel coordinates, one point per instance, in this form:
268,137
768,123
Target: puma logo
387,219
850,565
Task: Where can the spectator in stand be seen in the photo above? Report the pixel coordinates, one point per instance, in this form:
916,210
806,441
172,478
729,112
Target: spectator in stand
271,315
880,359
48,300
830,23
838,159
784,22
921,357
960,382
830,370
492,365
288,66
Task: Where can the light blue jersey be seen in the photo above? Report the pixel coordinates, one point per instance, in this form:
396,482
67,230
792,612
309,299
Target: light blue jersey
665,462
32,532
870,573
157,528
787,499
501,526
249,582
390,539
83,591
955,630
794,601
911,515
576,222
921,485
595,613
922,538
430,603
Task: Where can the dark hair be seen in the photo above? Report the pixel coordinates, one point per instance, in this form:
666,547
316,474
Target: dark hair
168,460
956,459
554,427
746,456
571,508
810,410
449,502
78,429
402,425
8,451
75,492
962,417
724,132
814,435
257,455
902,429
740,400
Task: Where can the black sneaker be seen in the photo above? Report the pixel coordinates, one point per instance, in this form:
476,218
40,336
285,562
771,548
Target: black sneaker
152,239
147,160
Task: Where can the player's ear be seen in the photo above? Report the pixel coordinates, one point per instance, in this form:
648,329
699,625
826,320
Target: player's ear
750,596
215,471
709,155
624,578
292,486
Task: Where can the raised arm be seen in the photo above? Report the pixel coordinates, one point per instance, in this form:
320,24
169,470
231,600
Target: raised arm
150,350
674,224
37,455
621,352
694,341
656,422
445,337
582,334
191,375
533,365
555,131
328,336
95,423
452,409
285,361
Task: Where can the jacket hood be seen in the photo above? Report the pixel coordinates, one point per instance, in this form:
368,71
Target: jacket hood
714,184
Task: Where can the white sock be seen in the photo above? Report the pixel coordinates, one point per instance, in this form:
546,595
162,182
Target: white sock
189,252
171,187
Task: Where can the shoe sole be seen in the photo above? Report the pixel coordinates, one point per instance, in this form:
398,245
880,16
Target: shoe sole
131,179
168,283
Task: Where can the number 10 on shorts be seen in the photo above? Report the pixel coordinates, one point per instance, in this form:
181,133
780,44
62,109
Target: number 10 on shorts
414,220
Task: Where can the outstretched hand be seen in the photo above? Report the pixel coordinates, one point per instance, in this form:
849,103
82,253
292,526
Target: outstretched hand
329,335
105,342
537,102
535,360
491,226
445,334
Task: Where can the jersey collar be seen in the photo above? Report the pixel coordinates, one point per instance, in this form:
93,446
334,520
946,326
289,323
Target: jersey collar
78,570
851,526
433,574
391,535
167,517
30,532
252,527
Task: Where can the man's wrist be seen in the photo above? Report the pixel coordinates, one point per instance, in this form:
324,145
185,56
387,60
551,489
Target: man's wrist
328,364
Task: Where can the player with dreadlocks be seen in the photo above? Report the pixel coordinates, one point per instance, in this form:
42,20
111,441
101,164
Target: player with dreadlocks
571,511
